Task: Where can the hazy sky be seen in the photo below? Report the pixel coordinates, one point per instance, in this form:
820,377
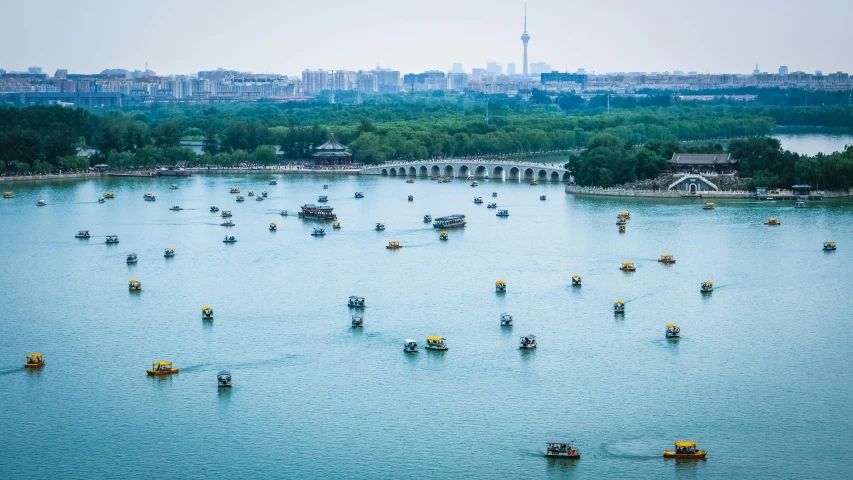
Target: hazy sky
185,36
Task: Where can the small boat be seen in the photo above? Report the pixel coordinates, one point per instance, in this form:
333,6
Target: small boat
411,198
169,252
8,195
251,193
436,343
101,200
207,312
325,187
666,258
380,225
543,197
618,306
223,379
427,218
173,186
161,368
131,258
625,213
112,239
494,194
672,331
109,195
34,360
214,209
486,176
229,239
357,302
149,197
240,198
621,221
478,200
475,184
829,245
706,287
410,180
318,232
506,320
433,177
622,228
226,214
502,213
801,203
175,208
708,206
576,280
235,190
322,198
259,199
82,234
534,182
492,205
628,267
469,177
41,203
264,194
527,342
685,450
229,223
336,225
273,227
273,182
500,286
410,346
393,245
134,286
443,236
357,321
562,450
284,213
773,222
359,195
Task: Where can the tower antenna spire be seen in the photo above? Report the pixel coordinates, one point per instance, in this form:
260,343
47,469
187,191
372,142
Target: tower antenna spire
525,17
524,39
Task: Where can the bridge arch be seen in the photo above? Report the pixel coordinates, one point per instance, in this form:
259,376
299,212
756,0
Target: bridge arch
423,171
514,173
480,171
435,171
384,171
464,171
543,175
567,177
392,172
498,173
555,177
412,172
449,171
529,173
401,171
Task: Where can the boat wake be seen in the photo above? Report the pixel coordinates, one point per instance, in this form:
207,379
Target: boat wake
9,372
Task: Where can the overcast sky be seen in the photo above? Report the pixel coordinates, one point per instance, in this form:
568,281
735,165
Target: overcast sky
281,36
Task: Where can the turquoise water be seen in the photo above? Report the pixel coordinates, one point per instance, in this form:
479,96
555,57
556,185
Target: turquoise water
760,377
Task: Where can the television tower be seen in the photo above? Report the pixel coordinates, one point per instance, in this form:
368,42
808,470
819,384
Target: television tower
525,38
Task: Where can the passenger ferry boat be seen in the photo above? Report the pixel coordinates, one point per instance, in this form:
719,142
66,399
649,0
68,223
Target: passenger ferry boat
527,342
264,194
109,195
173,186
207,312
101,200
357,302
427,218
149,197
214,209
41,203
235,190
336,225
359,195
240,198
708,206
494,194
321,212
475,184
478,200
322,198
707,287
686,450
672,331
773,222
436,343
666,258
451,221
562,450
500,286
34,360
618,306
506,320
380,225
410,180
830,245
411,198
502,213
112,239
131,258
229,223
628,267
8,195
576,280
492,205
229,239
82,234
393,245
318,232
543,197
226,214
357,321
161,368
443,235
134,286
410,346
175,208
169,252
251,193
273,182
223,379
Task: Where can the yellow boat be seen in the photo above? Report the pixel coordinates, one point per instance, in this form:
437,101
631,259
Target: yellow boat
393,245
666,258
109,195
627,267
685,450
625,213
8,195
273,227
235,190
161,368
576,280
207,312
134,286
500,286
251,193
708,206
619,306
773,222
336,225
34,360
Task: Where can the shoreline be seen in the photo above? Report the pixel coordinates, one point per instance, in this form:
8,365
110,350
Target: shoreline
50,176
671,194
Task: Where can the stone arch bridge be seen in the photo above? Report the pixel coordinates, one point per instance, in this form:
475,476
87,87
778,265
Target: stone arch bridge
495,169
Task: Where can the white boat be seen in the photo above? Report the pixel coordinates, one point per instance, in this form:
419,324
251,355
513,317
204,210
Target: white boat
131,258
576,280
357,321
492,205
223,379
318,232
475,184
357,302
175,208
830,245
672,331
214,208
273,182
500,286
562,450
801,203
82,234
264,194
436,343
226,213
502,213
41,203
410,346
229,239
506,320
149,197
707,287
486,176
527,342
380,225
173,186
478,200
273,227
322,198
112,239
240,198
101,200
543,197
284,213
427,218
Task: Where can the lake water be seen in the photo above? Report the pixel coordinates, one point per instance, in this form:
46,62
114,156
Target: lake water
812,143
761,376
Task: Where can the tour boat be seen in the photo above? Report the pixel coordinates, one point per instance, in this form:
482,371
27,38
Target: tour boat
101,200
169,252
543,197
325,187
235,190
229,223
207,312
469,177
251,193
214,209
356,301
173,186
502,213
492,205
322,199
707,287
318,232
494,194
527,342
427,218
149,197
534,182
82,234
410,180
273,227
112,239
259,199
336,225
801,203
475,184
685,450
134,286
161,368
223,379
666,258
226,213
411,198
506,320
357,321
8,195
393,245
436,343
442,235
175,208
380,225
410,346
109,195
627,267
359,195
264,194
240,198
672,331
284,213
321,212
451,221
478,200
562,450
576,280
708,206
829,245
41,203
229,239
773,222
131,258
34,360
625,213
618,306
273,182
500,286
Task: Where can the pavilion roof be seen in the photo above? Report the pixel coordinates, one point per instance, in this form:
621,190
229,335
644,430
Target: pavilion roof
702,159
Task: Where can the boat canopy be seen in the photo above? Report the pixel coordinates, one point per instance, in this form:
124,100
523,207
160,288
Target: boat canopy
685,444
627,263
772,219
133,281
409,340
671,325
709,282
576,276
207,307
619,302
224,372
435,339
162,364
666,255
500,282
34,355
830,242
531,337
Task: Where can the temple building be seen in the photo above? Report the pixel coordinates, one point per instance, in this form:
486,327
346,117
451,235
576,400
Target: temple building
332,153
702,163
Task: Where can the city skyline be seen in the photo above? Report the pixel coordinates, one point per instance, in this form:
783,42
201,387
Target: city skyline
266,37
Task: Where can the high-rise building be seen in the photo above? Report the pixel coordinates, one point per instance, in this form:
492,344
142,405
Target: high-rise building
345,80
494,69
387,81
34,70
538,68
61,74
477,74
524,39
510,68
783,70
314,81
457,68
